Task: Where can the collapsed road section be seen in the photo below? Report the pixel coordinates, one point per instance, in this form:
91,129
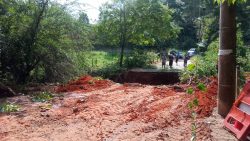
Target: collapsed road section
148,76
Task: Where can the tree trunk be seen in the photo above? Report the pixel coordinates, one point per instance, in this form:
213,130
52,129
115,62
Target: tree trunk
123,33
122,49
6,91
227,59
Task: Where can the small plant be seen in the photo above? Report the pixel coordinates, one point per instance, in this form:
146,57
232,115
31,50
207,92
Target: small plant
191,105
42,97
45,107
9,107
194,103
140,58
190,90
201,87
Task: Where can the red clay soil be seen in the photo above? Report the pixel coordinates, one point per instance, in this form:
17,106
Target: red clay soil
84,84
207,99
110,111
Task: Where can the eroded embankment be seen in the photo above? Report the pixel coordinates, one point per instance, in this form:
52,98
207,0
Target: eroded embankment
147,76
93,109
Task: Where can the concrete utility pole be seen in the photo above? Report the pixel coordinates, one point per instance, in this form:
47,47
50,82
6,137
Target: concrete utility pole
227,58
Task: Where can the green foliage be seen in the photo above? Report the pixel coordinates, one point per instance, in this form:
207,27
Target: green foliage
100,59
83,18
242,53
243,20
143,27
202,66
190,90
103,63
9,107
194,103
140,59
205,66
243,57
109,71
136,22
39,37
42,97
196,19
229,1
201,87
191,105
41,41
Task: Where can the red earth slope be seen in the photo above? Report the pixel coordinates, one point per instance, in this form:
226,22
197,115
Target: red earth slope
95,110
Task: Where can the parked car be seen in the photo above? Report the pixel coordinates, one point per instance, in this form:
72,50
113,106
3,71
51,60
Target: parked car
181,56
191,52
173,52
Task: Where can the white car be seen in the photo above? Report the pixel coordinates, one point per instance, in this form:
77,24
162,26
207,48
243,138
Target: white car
191,52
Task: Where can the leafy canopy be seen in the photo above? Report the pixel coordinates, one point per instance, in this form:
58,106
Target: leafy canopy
37,38
230,1
146,21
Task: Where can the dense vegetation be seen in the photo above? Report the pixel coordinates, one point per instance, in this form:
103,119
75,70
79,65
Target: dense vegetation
39,41
42,41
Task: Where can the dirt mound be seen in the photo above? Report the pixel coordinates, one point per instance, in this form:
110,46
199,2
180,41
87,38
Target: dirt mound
84,84
163,92
128,111
207,99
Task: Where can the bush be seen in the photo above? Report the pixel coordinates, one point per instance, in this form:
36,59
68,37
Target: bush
205,66
139,58
201,87
190,90
42,97
109,71
202,66
243,53
9,107
37,48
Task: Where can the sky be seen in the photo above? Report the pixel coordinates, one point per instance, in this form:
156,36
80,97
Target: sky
91,7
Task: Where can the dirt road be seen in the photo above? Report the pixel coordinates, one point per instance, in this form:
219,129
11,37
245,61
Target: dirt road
117,112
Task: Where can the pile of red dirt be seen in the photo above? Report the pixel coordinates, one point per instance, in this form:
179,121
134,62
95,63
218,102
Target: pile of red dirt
116,112
163,92
207,99
84,84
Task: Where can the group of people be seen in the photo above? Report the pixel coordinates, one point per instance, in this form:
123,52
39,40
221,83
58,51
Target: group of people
171,58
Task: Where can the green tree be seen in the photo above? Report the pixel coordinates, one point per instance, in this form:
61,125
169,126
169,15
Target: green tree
198,20
139,22
23,38
83,17
37,38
